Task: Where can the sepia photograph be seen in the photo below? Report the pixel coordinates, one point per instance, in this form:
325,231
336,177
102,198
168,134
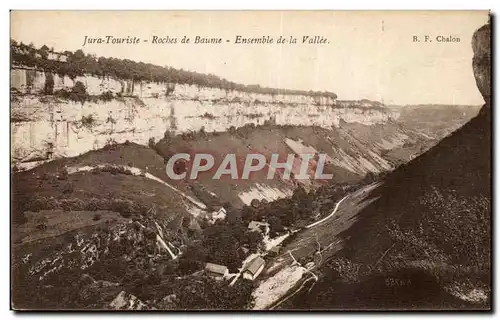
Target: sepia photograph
251,160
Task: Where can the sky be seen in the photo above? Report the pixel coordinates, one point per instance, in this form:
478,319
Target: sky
368,55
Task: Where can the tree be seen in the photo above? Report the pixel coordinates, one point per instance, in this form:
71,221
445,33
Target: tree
193,259
79,92
44,52
299,193
255,203
248,214
275,224
78,56
254,240
207,293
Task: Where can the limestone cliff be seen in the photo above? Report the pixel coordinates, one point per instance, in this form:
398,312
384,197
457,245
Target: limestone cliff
44,126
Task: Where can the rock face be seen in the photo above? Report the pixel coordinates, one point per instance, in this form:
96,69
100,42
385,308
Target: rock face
481,62
127,301
28,81
45,126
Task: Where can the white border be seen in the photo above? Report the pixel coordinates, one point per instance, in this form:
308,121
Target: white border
191,5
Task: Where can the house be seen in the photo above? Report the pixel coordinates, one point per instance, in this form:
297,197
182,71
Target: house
216,270
219,214
254,268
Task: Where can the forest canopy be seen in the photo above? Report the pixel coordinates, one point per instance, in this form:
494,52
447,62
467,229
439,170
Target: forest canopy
78,63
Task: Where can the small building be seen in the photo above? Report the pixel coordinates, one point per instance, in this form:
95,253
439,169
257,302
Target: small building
219,214
216,270
254,268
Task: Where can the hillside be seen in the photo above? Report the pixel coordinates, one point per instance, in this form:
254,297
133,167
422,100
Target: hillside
436,120
87,201
424,242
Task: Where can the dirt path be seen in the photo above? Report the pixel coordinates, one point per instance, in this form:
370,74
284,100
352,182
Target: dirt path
329,216
319,236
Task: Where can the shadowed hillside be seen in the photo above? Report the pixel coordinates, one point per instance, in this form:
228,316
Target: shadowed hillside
425,242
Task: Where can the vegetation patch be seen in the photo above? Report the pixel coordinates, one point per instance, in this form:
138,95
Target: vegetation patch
112,169
208,116
88,121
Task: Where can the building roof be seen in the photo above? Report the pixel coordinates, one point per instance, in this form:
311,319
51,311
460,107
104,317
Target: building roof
256,224
254,265
218,207
253,225
216,268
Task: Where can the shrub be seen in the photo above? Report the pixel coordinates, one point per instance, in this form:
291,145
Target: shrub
110,119
275,224
63,94
94,204
126,207
255,203
111,144
97,217
346,269
19,217
208,116
44,176
73,204
138,101
168,135
106,96
113,170
41,226
62,174
254,115
88,121
68,188
151,142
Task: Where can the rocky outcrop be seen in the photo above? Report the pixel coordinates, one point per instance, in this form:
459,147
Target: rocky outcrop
127,301
481,62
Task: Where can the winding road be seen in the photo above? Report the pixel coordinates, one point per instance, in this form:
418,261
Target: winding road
320,236
329,216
